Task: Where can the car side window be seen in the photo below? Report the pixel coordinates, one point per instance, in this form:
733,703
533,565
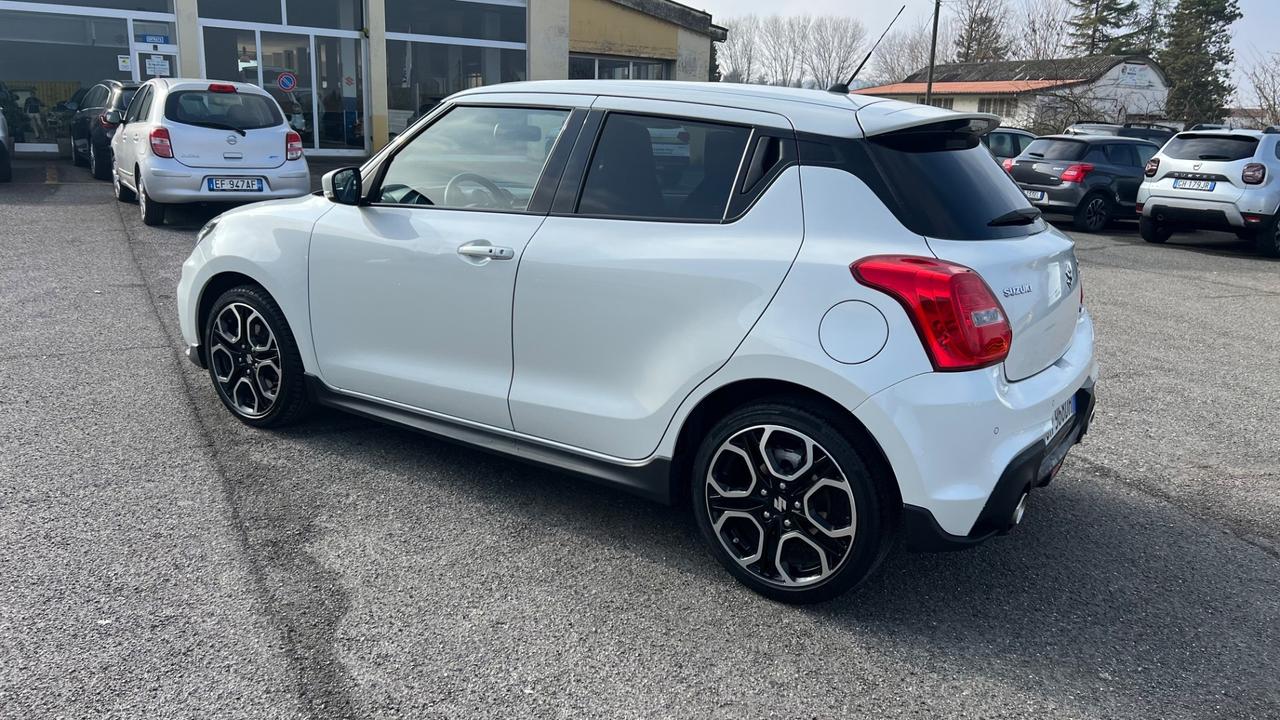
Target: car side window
1002,145
485,158
145,111
1096,154
647,167
95,98
1122,154
135,106
1024,142
1145,153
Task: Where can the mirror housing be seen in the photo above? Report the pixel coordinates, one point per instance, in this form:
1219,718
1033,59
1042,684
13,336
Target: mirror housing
343,186
115,117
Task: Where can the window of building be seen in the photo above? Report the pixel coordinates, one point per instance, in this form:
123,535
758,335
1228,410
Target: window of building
475,157
264,11
159,6
593,67
477,19
1002,106
945,103
421,74
661,168
338,14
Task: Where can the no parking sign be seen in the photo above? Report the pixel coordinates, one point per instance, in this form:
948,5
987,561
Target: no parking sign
287,81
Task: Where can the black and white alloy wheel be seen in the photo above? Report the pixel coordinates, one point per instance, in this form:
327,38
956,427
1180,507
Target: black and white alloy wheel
788,505
253,361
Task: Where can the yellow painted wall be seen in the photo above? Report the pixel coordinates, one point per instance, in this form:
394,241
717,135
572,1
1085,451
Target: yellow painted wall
606,28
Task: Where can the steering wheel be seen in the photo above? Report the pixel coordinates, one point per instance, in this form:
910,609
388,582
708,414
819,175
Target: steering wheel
501,198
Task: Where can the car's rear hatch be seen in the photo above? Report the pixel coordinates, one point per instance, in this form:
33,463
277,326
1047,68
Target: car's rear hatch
1204,166
225,129
1045,159
948,189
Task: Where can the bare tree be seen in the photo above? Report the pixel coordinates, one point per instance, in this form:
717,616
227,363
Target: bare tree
1262,77
907,50
1044,31
782,45
832,48
739,54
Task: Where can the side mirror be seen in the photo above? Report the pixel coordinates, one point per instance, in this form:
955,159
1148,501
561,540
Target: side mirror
343,186
115,117
67,106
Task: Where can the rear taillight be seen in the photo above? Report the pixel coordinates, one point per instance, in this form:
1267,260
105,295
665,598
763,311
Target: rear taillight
160,145
292,146
1007,164
102,120
1153,167
1254,174
1076,173
958,318
222,87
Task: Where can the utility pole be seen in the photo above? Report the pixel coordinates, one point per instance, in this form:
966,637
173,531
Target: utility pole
933,52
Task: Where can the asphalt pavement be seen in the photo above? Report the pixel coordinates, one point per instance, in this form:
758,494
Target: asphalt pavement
160,560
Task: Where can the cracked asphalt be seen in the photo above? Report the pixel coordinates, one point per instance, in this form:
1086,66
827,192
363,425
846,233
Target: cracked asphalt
160,560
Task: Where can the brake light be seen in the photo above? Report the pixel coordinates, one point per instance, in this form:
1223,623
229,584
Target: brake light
1153,167
102,120
1254,174
957,317
1007,164
160,145
1076,173
292,146
222,87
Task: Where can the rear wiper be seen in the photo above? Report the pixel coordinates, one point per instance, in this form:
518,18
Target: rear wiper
221,126
1021,216
1039,155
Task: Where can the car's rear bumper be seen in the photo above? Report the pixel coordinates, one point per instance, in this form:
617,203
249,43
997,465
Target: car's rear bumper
176,183
1055,198
1189,214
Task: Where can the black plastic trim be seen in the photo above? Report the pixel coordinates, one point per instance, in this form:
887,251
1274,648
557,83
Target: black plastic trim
195,353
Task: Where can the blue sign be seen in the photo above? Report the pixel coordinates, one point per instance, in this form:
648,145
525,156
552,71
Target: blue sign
155,39
287,81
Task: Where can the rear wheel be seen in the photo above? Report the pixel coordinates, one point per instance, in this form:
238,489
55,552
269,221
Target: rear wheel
123,194
1152,231
1093,214
1267,239
787,504
151,211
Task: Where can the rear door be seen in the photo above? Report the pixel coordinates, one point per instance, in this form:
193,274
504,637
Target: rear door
1127,167
225,126
1029,265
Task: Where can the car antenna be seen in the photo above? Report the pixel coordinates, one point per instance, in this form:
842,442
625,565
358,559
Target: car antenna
843,88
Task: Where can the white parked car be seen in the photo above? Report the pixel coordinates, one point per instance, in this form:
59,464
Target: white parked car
833,320
185,141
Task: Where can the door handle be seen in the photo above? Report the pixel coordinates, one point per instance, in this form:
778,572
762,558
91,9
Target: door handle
482,250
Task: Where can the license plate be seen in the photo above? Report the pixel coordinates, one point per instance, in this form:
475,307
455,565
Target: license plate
1062,415
1034,194
1194,184
235,184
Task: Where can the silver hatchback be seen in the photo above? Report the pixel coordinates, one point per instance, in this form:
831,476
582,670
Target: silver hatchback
1215,180
185,141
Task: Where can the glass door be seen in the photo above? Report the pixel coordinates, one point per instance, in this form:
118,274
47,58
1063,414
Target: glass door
286,74
340,87
155,54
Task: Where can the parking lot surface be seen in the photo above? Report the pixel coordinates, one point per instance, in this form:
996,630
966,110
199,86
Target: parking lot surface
158,559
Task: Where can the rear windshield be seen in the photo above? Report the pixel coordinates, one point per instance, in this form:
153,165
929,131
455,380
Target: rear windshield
1056,149
243,111
1211,147
945,185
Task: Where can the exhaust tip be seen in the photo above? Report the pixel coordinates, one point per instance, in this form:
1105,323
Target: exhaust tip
1019,511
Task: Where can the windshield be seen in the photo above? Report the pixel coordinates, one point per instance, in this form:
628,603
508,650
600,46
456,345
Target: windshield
1211,147
1047,149
241,111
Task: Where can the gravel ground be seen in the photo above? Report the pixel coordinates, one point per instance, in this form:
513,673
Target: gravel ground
158,559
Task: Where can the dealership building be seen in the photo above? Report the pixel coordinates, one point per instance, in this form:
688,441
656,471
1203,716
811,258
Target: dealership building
349,74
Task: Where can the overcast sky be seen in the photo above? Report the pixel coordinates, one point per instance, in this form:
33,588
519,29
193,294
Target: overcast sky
1258,32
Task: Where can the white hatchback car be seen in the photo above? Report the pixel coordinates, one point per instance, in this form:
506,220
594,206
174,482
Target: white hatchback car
820,319
186,141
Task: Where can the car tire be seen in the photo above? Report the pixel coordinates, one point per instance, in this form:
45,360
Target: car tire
123,193
99,166
76,158
809,542
1153,232
6,167
151,211
1093,214
1267,240
253,359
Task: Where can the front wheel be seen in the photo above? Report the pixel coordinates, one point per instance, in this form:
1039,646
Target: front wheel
787,503
253,359
1152,231
1093,214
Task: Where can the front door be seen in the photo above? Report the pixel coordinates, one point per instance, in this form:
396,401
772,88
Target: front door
411,295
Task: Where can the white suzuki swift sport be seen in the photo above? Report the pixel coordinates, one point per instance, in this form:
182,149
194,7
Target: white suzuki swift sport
186,141
820,319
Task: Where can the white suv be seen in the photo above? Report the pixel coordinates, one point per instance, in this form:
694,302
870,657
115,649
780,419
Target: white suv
185,141
821,320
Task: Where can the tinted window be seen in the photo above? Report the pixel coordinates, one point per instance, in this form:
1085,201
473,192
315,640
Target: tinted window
649,167
247,111
1145,153
267,11
135,105
943,185
1057,149
1003,144
474,157
1121,154
458,18
1096,154
95,98
1211,147
123,97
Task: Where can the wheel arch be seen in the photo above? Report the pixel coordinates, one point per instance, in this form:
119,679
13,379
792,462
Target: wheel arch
214,288
733,395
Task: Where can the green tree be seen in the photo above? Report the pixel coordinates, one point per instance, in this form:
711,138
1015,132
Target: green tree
1101,26
713,68
1197,59
979,34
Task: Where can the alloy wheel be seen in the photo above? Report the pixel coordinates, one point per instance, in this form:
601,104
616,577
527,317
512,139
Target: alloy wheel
142,197
244,359
781,506
1096,213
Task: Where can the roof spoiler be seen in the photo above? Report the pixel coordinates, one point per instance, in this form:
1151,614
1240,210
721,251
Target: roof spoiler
907,121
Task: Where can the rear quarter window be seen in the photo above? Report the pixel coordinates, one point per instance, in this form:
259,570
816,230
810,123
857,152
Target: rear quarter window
246,111
1057,149
1223,148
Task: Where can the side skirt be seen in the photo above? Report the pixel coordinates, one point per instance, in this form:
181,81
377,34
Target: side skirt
650,479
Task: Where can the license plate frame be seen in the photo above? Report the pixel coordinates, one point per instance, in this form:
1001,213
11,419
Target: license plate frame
1063,415
1200,185
1034,195
235,184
